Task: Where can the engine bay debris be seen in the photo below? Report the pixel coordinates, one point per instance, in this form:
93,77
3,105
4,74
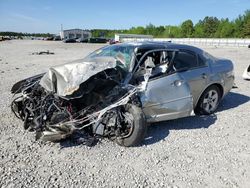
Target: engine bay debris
81,98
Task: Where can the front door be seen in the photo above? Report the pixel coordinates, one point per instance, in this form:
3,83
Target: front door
167,97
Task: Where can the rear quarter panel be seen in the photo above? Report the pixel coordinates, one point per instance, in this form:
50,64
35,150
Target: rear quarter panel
222,72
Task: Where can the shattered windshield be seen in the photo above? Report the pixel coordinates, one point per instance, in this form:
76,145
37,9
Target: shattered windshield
122,53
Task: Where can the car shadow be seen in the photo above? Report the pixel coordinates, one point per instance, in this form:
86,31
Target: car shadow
159,131
232,100
78,139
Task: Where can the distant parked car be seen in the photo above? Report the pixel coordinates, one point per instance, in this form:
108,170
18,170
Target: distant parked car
56,38
113,41
7,38
49,38
97,40
69,40
81,40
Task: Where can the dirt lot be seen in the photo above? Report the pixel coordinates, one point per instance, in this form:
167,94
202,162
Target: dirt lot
210,151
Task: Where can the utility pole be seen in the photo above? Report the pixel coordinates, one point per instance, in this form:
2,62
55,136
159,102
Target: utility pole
61,32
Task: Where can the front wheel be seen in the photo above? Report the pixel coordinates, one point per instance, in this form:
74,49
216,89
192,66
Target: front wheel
135,126
209,101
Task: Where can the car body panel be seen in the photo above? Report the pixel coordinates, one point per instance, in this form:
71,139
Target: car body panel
66,79
166,98
197,79
223,74
17,86
217,71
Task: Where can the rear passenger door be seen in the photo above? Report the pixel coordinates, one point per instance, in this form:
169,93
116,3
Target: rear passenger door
194,70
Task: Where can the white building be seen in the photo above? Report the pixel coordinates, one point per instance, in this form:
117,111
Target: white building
75,33
122,37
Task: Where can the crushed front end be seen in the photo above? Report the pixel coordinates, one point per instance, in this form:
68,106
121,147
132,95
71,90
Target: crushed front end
66,102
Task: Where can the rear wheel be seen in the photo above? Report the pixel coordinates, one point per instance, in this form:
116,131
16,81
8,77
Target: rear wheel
209,101
134,128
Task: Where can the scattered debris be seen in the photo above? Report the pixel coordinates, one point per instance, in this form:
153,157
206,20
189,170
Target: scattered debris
235,86
30,65
246,73
43,53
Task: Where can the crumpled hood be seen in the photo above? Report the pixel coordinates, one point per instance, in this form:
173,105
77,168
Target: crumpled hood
65,79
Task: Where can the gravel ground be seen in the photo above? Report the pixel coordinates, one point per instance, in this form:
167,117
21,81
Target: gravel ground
210,151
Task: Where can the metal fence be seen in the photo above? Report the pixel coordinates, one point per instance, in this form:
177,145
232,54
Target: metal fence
199,41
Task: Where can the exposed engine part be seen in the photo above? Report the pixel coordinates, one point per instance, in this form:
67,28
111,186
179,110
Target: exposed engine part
54,118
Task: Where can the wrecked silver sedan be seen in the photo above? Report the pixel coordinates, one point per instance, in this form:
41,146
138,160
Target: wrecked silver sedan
117,90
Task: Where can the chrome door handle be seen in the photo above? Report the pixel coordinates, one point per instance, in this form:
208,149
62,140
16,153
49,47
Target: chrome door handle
177,83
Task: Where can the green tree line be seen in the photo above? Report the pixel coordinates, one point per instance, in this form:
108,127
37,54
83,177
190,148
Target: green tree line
20,34
209,27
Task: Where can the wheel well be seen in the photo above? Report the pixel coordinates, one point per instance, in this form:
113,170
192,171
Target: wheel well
215,84
220,88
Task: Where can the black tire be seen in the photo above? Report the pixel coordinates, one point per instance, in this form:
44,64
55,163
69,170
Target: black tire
139,130
206,104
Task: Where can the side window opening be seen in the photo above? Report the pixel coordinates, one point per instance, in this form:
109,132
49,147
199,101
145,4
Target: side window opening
154,57
185,59
158,61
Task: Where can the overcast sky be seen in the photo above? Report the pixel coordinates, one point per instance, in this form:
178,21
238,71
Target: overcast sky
48,15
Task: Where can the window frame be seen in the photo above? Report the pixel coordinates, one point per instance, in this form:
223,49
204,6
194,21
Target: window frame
156,50
196,57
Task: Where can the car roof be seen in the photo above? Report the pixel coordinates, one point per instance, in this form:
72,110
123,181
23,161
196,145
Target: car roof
162,44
